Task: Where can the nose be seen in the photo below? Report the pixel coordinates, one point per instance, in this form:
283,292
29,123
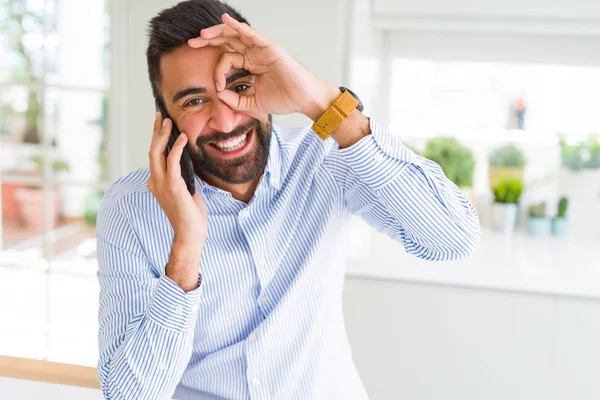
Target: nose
223,118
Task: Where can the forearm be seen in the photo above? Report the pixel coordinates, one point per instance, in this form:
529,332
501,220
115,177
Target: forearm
406,196
149,361
439,222
183,266
142,368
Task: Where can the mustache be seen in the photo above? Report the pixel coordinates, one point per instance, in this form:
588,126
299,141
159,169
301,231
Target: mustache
219,136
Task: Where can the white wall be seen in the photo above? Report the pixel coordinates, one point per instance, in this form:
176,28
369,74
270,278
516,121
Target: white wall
536,9
312,31
426,342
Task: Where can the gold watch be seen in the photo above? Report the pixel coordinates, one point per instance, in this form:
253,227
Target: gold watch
339,110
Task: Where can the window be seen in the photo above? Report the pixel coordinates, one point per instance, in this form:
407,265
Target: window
54,134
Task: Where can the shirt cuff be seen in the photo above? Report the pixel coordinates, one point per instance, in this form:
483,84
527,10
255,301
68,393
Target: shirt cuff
378,158
173,308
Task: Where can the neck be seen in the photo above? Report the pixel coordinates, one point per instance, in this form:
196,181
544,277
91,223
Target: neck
239,191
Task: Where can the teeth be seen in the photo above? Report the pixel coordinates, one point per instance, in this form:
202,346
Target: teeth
232,144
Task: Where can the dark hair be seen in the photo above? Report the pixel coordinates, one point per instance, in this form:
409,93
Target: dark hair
174,26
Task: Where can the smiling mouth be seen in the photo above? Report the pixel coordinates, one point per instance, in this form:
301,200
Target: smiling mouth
232,144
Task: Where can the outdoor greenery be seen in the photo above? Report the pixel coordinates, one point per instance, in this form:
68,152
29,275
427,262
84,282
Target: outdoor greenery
18,23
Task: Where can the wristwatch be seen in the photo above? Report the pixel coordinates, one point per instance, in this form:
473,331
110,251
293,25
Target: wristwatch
339,110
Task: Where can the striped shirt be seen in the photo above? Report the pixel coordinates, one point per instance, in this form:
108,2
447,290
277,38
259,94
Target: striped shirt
266,320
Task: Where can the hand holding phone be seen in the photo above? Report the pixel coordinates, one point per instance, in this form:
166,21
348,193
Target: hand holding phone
187,214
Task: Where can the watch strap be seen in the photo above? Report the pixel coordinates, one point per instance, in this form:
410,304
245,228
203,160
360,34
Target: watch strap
339,110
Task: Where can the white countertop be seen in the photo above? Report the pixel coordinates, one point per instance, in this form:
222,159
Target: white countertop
565,266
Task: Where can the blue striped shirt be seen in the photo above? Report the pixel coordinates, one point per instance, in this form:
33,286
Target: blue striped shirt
266,320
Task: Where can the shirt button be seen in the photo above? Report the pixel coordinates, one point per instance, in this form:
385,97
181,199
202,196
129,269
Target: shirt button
378,158
252,337
256,381
263,300
162,365
179,309
262,261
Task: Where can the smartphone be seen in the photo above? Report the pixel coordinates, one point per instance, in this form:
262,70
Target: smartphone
187,166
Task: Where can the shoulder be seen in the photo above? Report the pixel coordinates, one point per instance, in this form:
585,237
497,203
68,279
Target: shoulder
135,182
127,194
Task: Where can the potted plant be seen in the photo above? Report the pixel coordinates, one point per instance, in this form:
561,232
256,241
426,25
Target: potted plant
507,191
559,223
507,160
455,159
537,223
31,198
580,172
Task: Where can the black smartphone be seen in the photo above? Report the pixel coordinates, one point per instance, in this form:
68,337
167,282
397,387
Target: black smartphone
187,166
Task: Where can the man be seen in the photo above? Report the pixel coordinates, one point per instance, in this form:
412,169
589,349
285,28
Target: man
236,292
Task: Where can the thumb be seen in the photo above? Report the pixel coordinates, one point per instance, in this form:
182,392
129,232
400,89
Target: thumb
237,102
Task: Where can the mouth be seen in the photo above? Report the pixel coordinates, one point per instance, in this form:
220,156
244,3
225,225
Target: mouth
233,147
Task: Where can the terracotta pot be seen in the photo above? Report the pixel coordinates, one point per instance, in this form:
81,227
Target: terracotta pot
31,207
10,206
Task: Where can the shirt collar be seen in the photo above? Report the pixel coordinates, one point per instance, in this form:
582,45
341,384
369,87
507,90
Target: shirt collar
274,164
272,170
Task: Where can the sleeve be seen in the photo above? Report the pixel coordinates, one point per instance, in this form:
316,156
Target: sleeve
146,321
405,196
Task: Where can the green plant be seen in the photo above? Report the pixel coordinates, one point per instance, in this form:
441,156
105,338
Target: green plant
456,160
508,190
563,204
583,155
507,156
19,19
537,210
92,205
57,165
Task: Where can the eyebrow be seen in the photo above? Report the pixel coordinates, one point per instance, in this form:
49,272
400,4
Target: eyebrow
199,90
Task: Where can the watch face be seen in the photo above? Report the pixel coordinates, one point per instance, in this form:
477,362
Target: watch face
360,104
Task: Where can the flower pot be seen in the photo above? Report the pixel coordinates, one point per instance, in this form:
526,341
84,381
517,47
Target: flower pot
10,206
539,226
31,207
559,226
504,217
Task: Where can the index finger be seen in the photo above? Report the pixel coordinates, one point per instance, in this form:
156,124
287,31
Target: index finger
158,117
245,31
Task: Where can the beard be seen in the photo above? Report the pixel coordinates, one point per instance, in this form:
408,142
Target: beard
242,169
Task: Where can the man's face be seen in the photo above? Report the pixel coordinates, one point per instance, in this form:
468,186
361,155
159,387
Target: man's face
232,146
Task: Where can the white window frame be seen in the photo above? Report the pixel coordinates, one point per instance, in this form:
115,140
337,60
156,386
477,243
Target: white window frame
116,142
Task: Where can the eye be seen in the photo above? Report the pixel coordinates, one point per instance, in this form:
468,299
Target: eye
193,102
241,88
